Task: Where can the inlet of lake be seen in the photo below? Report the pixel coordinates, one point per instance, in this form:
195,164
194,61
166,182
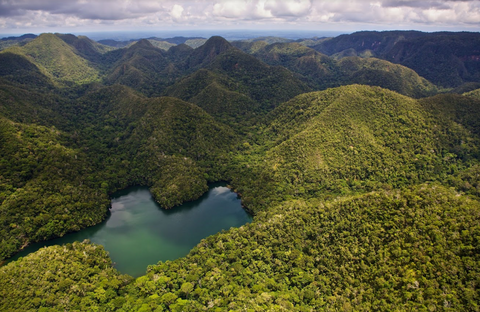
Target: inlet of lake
138,232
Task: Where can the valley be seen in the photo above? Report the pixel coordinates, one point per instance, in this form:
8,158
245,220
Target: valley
358,157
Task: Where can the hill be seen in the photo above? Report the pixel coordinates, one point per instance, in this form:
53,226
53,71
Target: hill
17,69
233,85
142,67
475,93
350,139
57,60
323,72
363,198
444,58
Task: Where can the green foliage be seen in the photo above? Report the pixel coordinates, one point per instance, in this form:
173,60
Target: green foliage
351,139
76,276
390,250
323,72
475,93
57,60
448,59
356,190
142,67
46,189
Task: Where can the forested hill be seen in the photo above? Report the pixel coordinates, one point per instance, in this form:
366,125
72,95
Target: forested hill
361,173
448,59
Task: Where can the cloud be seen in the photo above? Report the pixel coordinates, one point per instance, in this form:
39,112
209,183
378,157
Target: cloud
176,11
238,13
282,8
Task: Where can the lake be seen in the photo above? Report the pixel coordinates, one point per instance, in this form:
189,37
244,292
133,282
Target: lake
138,232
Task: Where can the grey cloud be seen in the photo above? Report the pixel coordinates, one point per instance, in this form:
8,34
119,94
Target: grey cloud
105,9
420,4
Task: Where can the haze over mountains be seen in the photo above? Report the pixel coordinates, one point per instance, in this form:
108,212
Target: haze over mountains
358,156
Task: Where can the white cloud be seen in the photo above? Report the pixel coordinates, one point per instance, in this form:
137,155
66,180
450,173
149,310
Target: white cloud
281,8
39,14
176,12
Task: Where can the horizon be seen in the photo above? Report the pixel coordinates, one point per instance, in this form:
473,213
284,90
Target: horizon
81,17
231,35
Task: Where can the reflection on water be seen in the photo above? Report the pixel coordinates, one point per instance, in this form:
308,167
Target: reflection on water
138,232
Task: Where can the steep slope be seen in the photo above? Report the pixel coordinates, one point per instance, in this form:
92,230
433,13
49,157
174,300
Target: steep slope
86,47
351,139
143,67
376,72
323,72
46,188
474,93
217,94
19,70
207,52
233,85
448,59
366,42
57,60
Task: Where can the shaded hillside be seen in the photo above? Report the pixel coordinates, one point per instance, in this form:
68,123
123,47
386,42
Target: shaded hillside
376,72
20,104
463,110
111,138
323,72
17,69
233,84
217,94
57,60
142,67
86,47
444,58
376,43
13,41
46,189
448,59
207,52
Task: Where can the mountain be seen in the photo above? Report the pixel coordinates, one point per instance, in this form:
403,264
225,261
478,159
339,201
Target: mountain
17,69
444,58
12,41
87,48
142,67
362,198
206,53
353,139
323,72
375,43
234,85
57,60
372,212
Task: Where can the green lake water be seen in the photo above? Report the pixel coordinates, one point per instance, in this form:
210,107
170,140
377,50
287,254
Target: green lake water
138,232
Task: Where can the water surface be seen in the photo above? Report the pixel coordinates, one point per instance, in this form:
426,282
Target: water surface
139,232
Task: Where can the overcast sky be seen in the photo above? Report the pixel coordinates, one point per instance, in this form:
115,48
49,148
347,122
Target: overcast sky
76,16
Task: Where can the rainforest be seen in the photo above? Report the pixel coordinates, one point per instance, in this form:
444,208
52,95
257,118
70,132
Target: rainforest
358,157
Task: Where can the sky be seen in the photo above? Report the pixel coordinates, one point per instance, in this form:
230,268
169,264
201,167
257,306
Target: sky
77,16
